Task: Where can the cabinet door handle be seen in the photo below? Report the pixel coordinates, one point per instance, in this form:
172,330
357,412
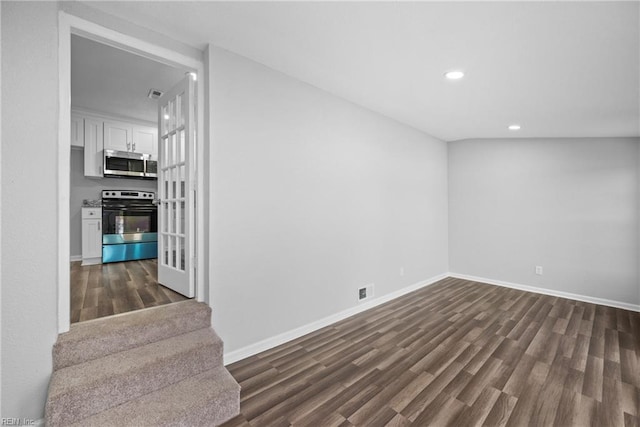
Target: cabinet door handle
99,226
128,146
133,144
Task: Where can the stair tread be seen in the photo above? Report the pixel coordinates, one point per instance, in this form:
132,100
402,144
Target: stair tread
122,363
98,338
209,398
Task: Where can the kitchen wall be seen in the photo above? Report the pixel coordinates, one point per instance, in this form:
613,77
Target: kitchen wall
91,188
29,40
568,205
313,197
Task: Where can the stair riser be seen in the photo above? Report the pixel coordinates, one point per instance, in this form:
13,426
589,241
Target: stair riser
213,414
93,398
223,409
208,399
75,352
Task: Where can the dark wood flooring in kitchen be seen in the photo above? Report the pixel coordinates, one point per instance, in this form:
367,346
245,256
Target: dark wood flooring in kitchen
106,289
455,353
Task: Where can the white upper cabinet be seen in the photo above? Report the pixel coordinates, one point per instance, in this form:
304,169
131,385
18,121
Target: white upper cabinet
121,136
145,141
77,130
96,133
117,136
93,148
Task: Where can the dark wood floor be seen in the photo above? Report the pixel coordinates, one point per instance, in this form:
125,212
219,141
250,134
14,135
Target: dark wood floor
106,289
455,353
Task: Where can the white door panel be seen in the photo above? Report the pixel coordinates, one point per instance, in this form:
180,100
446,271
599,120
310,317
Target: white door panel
176,142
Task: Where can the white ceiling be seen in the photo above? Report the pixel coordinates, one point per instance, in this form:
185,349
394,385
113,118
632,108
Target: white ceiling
110,80
560,69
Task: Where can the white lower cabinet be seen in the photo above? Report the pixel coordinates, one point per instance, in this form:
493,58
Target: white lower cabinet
91,236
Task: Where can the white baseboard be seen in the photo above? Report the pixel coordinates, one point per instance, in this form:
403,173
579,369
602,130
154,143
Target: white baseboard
279,339
544,291
73,258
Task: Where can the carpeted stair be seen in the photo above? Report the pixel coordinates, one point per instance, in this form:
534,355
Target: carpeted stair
155,367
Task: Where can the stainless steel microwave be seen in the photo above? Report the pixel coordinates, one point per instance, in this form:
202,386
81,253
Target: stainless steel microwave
129,165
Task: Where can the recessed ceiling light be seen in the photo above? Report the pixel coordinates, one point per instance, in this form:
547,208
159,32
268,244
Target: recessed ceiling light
514,127
454,75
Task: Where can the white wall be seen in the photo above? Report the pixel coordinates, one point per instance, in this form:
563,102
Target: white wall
29,200
91,188
568,205
313,197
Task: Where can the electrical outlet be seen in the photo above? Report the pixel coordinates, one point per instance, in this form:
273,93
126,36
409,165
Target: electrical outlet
539,270
365,292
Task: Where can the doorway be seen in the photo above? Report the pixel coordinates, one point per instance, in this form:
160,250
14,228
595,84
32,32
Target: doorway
116,92
111,58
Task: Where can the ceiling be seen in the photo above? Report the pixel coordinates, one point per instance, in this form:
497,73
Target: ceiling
110,80
559,69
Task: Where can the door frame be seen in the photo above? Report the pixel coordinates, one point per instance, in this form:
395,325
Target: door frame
70,24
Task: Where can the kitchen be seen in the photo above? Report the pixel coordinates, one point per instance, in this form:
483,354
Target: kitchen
113,178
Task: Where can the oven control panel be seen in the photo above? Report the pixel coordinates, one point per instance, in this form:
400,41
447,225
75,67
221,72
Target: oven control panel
128,194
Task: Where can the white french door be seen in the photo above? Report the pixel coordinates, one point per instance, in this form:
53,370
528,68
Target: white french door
176,178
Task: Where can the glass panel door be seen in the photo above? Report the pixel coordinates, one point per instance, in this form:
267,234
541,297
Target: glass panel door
176,114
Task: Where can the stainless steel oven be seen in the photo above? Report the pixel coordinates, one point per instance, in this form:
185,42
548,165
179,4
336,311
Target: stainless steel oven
129,225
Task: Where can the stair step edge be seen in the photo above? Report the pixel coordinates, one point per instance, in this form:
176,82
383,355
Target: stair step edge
96,385
121,363
91,340
209,398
